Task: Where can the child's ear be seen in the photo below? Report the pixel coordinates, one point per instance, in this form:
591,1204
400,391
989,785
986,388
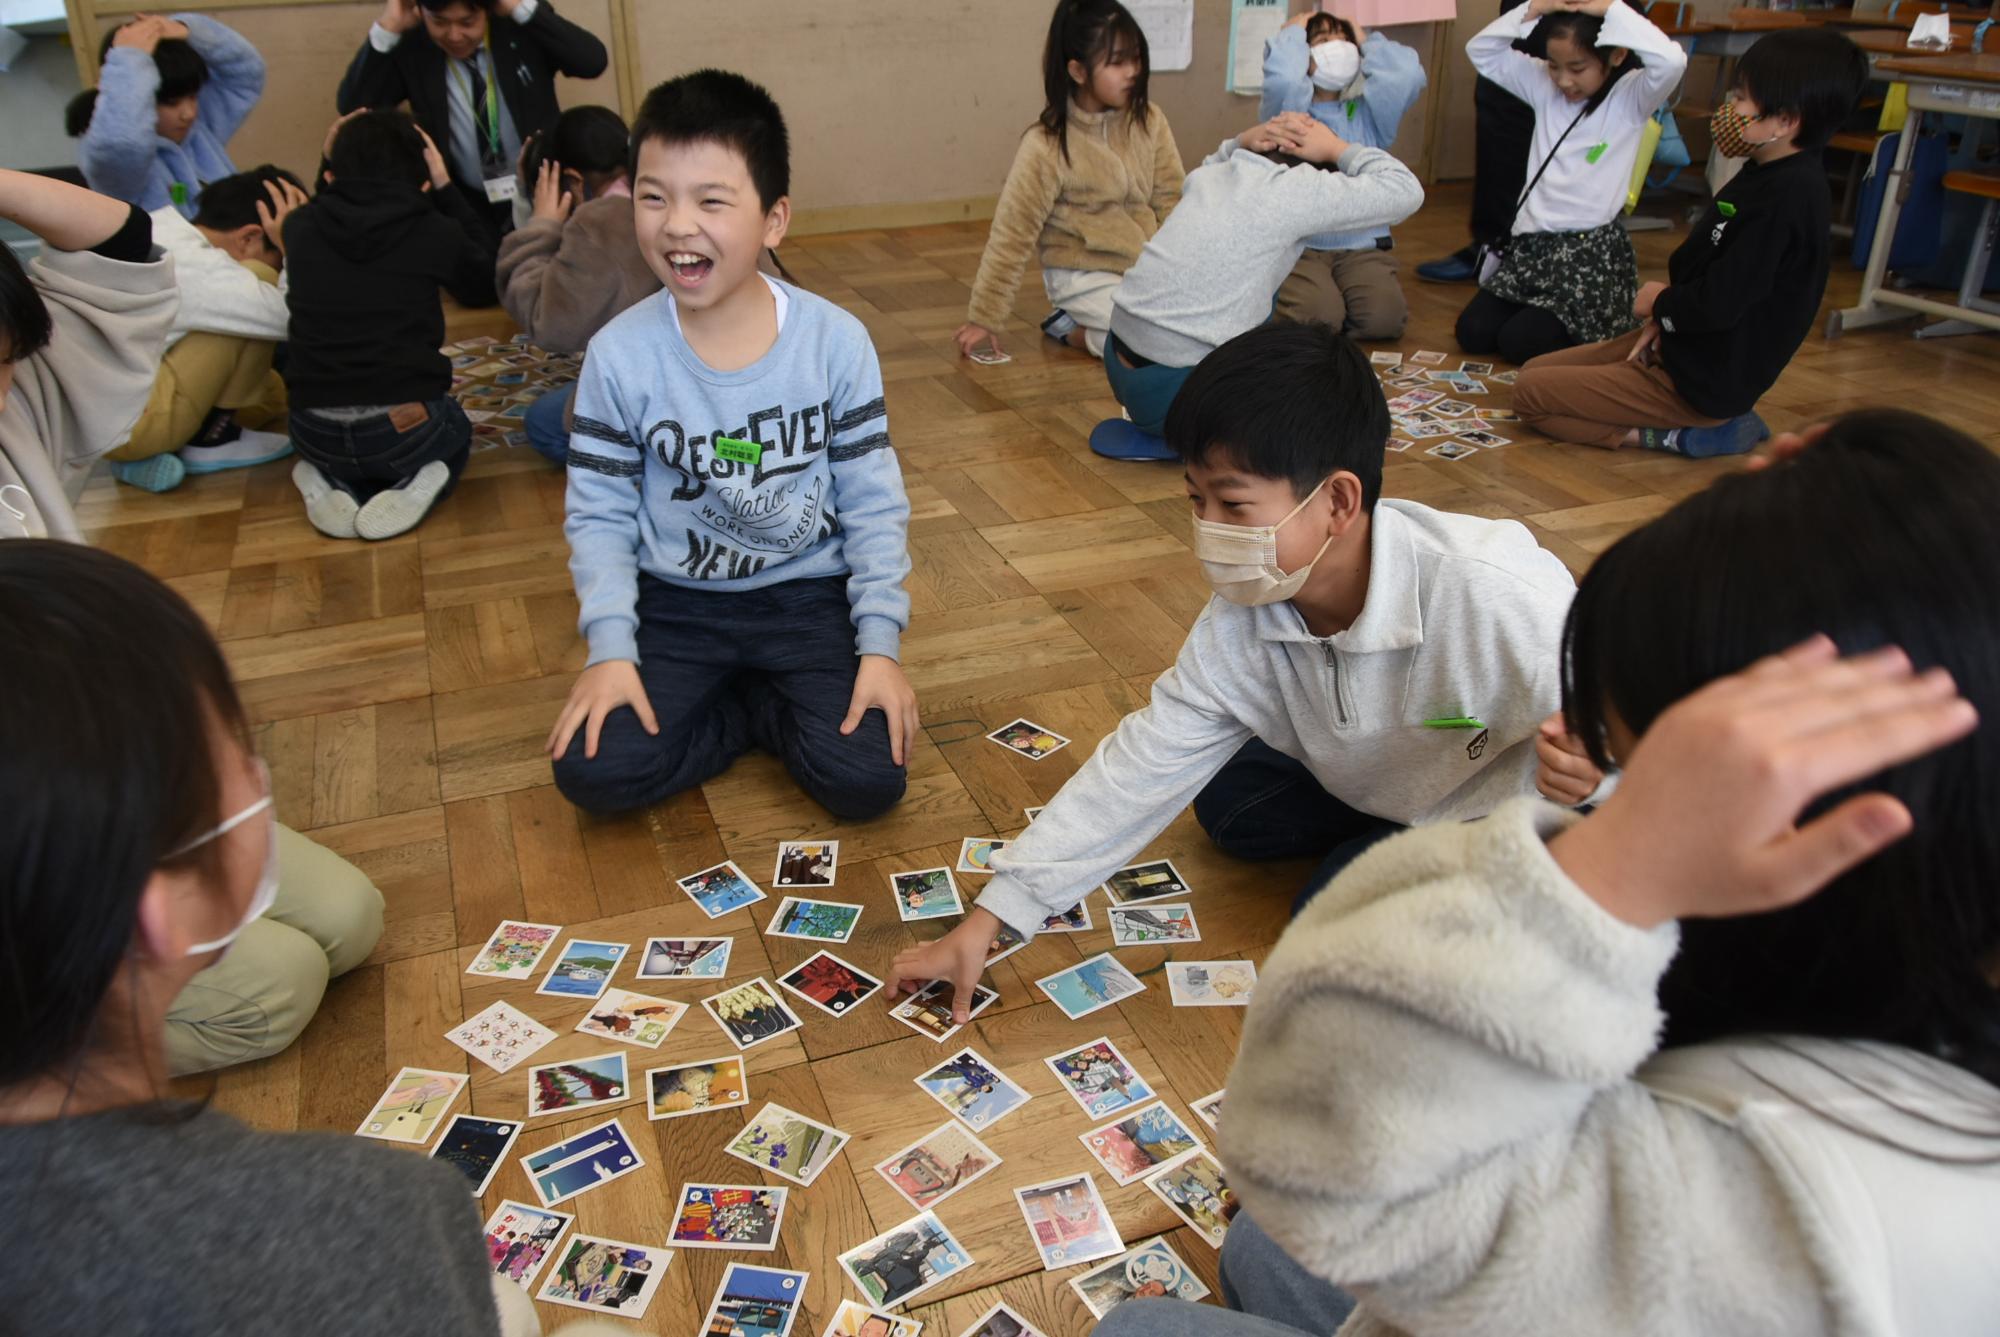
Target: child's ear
777,221
1079,74
327,177
1617,56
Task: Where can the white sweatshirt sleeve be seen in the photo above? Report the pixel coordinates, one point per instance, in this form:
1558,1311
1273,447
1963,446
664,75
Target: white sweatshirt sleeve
1643,91
1492,53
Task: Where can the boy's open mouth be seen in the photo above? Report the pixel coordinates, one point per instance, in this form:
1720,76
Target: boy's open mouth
689,269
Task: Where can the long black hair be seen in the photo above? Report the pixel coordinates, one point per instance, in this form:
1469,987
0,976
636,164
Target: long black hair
591,141
1585,31
25,324
1087,31
1881,533
182,74
108,764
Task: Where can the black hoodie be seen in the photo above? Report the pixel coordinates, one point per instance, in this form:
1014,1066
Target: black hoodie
365,260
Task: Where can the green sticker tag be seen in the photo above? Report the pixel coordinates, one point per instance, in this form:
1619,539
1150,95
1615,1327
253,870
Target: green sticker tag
1725,208
1350,109
178,193
742,452
1596,152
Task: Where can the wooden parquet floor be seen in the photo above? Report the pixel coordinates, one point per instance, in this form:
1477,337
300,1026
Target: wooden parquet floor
401,692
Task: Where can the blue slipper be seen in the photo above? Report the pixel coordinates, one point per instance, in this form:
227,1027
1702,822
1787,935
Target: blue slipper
1117,439
161,473
1734,437
1458,267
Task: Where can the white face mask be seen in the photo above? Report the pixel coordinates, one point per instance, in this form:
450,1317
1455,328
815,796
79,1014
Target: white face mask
266,894
1334,64
1240,562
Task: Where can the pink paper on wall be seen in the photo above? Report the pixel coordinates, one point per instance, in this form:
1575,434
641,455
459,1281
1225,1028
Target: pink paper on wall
1382,13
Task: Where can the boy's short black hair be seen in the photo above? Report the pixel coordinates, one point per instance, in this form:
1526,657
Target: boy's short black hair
1815,74
591,141
1323,25
25,324
1297,402
723,108
230,202
435,5
379,145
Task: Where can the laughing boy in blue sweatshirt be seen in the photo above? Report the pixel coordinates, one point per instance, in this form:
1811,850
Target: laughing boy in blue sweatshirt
736,516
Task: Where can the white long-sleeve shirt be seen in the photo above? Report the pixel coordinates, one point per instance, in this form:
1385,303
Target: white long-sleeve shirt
1586,185
217,295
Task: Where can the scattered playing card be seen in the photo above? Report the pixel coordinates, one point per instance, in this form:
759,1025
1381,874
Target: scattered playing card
1505,377
1382,359
751,1013
989,357
829,983
975,853
1428,358
410,1109
1035,811
634,1018
1099,1079
928,1010
821,921
1150,924
1476,368
1397,444
1151,1269
1068,1221
476,1146
500,1036
606,1276
1006,943
1211,983
1000,1321
1455,379
684,958
1199,1194
1029,739
696,1088
1209,1108
1499,415
1452,450
1076,919
806,864
858,1320
973,1088
1147,882
1089,985
1454,426
1485,439
1453,408
759,1300
583,970
513,950
581,1162
519,1237
905,1260
720,889
728,1216
928,893
788,1144
937,1165
1143,1141
576,1084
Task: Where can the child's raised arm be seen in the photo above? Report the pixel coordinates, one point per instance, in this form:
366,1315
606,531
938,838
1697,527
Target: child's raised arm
1396,79
1287,86
1665,61
1492,53
117,151
235,74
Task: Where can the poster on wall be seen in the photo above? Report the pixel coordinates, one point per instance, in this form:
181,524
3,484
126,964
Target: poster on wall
1251,24
1382,13
1169,29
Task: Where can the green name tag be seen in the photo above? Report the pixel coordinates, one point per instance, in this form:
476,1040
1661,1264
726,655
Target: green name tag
178,193
1725,208
1596,152
1350,110
742,452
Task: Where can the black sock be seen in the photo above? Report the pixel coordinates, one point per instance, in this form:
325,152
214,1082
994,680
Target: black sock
217,429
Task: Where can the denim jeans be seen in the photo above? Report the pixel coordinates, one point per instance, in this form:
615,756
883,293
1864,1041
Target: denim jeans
1264,805
1267,1294
368,455
771,668
545,423
1146,392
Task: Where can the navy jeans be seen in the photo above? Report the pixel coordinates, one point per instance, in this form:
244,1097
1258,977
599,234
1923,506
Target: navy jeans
544,422
368,455
1264,805
1264,1294
771,668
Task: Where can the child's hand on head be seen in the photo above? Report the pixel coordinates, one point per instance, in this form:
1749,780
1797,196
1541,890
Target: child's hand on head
440,174
599,690
879,684
958,957
1260,138
1303,137
284,197
399,15
552,202
1299,20
1564,772
142,33
970,336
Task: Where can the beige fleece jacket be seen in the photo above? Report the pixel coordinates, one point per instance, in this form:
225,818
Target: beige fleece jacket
1094,211
563,281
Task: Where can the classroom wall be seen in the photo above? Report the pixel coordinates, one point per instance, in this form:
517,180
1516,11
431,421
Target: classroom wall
33,93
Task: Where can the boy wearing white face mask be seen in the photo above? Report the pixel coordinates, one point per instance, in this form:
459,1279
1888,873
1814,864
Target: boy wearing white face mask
1366,665
1358,84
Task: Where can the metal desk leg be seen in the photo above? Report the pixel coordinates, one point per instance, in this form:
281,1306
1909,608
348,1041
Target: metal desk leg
1868,311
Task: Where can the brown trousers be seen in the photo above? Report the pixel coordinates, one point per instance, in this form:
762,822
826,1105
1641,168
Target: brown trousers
203,372
1356,292
1591,395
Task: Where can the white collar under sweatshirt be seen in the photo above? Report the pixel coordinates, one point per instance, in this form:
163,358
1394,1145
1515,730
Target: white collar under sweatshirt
218,295
1463,619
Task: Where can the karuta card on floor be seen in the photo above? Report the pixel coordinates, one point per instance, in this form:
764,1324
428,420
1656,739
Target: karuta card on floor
989,357
1209,1108
1211,983
684,958
475,1146
1068,1221
755,1301
1034,810
1028,739
927,893
720,889
975,853
1152,881
1198,1192
1006,942
1099,1078
583,969
937,1165
829,983
513,950
1452,450
806,865
973,1088
858,1320
1476,368
631,1018
576,1084
728,1216
905,1260
821,921
752,1013
1484,439
1152,1269
1380,358
1076,919
1090,985
1000,1321
606,1276
500,1036
519,1238
410,1109
696,1088
1147,1139
1427,358
581,1162
928,1010
1151,924
787,1143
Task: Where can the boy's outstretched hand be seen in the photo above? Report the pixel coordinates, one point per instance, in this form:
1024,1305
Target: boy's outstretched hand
879,684
959,957
599,690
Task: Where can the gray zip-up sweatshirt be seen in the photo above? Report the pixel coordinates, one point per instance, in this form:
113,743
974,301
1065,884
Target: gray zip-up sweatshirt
1463,620
1213,268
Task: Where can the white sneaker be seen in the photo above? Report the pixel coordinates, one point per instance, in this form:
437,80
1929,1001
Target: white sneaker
400,509
247,449
331,510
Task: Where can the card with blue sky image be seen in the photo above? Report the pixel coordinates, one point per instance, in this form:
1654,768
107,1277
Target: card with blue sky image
973,1088
581,1162
720,889
583,969
1089,985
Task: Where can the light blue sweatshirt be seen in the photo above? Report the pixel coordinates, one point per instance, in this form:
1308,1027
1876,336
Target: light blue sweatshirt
1392,80
649,490
124,156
